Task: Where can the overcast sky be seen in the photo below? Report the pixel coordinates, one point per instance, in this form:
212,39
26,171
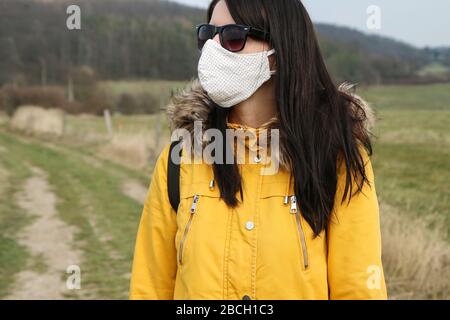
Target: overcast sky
421,23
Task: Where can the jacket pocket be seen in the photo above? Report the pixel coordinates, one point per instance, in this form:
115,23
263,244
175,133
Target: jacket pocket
277,190
194,199
302,239
185,234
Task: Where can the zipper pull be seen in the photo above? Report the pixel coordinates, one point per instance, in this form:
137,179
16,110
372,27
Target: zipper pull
293,204
211,184
286,200
194,203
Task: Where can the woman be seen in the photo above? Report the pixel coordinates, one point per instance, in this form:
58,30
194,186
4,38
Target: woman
309,230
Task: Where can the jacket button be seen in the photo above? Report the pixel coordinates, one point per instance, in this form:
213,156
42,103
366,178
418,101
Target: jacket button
249,225
246,297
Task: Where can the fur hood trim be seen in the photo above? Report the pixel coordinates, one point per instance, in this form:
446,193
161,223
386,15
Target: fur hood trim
192,104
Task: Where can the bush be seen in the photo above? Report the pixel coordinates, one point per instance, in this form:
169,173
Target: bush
84,81
88,97
138,104
96,103
47,97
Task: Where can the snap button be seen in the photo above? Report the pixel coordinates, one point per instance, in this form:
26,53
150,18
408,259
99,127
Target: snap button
249,225
246,297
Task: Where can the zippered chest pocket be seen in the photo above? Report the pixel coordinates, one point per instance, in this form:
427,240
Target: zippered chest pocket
196,204
293,209
285,208
187,227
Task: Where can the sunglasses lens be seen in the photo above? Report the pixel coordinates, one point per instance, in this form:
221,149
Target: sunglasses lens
204,33
233,38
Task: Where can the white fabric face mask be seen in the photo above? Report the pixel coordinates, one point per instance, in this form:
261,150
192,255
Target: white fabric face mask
230,78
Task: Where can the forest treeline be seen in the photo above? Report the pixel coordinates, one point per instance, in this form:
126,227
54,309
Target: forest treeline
155,40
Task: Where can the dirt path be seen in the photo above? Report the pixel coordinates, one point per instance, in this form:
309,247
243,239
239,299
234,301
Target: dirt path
47,238
91,224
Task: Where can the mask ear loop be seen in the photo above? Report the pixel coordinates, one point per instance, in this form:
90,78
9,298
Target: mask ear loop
269,53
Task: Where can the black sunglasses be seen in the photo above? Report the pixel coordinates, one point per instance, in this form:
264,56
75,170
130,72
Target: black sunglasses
233,37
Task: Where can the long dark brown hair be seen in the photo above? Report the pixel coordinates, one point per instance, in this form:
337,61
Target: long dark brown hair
320,126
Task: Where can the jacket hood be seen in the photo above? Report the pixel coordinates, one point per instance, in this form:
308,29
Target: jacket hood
192,104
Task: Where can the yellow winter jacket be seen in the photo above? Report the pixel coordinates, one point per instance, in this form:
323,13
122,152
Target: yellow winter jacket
263,249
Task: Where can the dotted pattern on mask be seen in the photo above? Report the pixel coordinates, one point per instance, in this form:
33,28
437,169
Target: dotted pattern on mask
230,78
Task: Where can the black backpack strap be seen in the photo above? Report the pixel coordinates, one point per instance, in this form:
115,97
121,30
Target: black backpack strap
173,176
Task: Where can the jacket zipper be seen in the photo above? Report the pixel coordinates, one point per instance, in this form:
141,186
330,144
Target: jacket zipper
301,233
188,226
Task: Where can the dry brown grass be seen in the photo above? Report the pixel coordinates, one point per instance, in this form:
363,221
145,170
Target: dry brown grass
135,143
416,255
37,120
132,150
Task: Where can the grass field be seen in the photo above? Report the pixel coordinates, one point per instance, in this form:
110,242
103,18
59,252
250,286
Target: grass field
152,92
86,170
412,167
412,147
117,88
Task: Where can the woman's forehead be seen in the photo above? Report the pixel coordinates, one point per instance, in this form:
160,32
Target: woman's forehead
221,15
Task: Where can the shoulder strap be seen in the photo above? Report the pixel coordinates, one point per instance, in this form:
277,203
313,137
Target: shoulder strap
173,177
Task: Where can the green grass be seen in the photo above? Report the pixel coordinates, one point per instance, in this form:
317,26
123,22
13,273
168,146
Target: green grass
412,148
420,97
136,87
86,126
434,69
85,194
155,88
13,256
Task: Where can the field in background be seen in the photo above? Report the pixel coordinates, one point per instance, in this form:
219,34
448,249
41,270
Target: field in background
140,96
434,69
138,87
412,167
87,168
412,147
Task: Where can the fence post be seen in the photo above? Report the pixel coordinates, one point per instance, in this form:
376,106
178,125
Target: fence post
108,122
